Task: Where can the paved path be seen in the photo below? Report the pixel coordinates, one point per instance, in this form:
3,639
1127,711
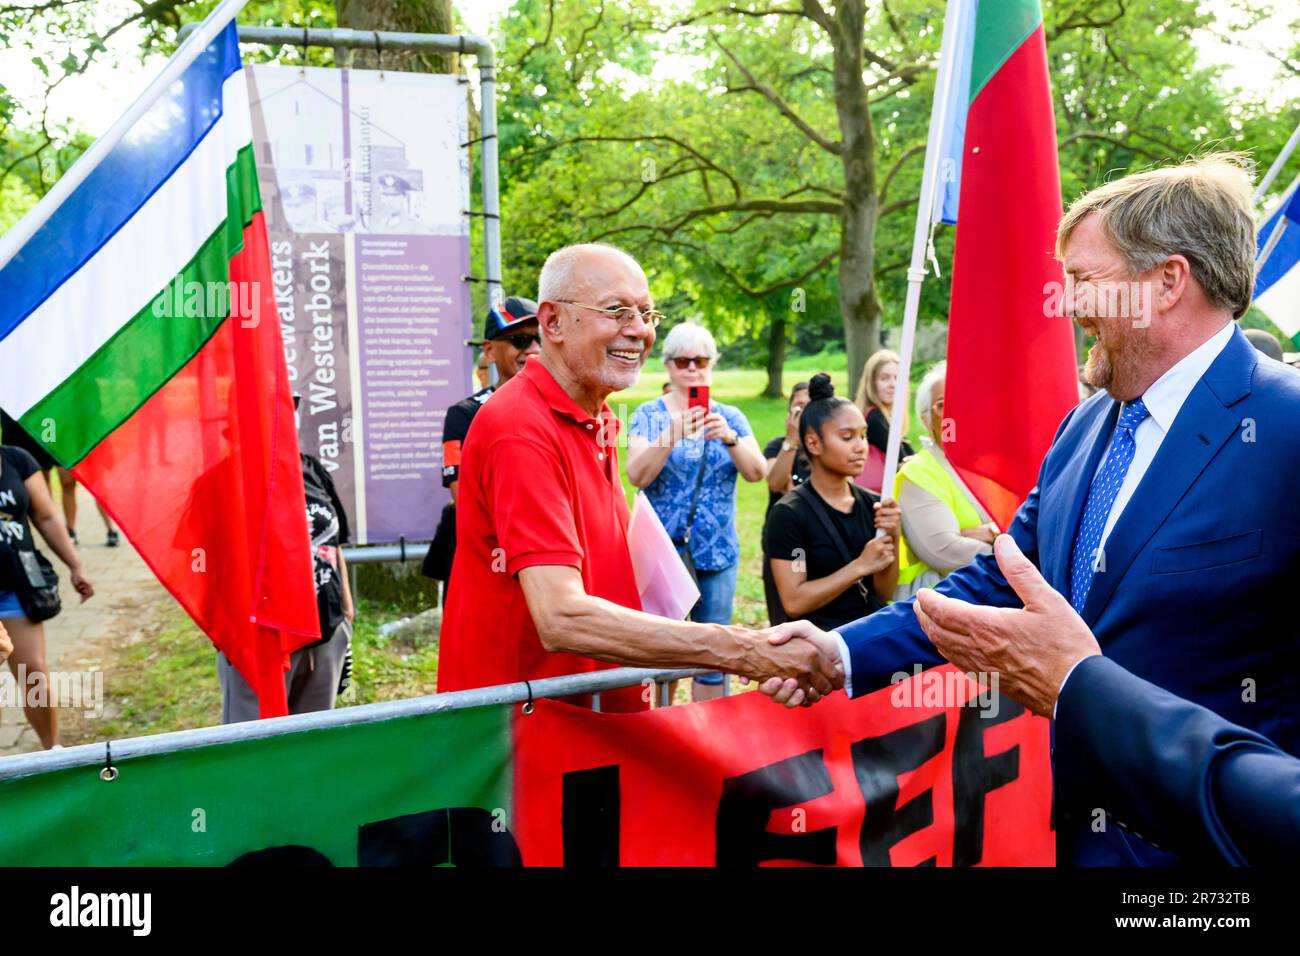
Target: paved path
123,585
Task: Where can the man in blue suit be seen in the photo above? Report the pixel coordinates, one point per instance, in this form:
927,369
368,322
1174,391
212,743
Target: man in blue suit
1165,510
1127,752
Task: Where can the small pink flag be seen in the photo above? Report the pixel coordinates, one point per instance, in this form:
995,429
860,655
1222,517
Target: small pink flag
666,587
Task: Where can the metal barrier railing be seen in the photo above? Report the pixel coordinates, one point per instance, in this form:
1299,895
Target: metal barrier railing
593,683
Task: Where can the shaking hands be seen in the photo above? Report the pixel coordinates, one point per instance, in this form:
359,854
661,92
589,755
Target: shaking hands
798,665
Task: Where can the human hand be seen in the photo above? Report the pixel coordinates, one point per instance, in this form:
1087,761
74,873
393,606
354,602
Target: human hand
792,425
6,645
889,518
987,533
685,423
713,425
877,555
1031,649
81,584
789,689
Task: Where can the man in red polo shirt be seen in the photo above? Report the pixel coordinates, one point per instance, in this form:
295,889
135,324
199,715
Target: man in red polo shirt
544,582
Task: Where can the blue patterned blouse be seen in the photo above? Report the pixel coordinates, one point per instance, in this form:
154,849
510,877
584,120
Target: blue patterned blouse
714,544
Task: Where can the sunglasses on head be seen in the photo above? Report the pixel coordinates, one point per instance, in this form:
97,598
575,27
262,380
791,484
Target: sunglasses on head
699,361
523,340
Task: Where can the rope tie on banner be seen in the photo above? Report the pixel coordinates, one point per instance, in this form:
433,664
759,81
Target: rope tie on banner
478,139
109,773
379,54
528,705
465,278
401,541
475,212
302,70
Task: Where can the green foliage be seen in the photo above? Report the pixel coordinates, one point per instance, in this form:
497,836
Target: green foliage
647,124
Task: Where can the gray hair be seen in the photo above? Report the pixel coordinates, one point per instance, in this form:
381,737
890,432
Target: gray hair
557,277
687,336
1201,209
925,391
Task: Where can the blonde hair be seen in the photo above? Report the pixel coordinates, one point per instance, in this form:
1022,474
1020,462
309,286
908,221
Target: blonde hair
1201,209
867,394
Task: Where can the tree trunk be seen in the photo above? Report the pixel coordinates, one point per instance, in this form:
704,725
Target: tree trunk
859,304
775,357
403,16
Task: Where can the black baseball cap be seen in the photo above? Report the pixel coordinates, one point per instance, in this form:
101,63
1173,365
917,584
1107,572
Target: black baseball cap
501,319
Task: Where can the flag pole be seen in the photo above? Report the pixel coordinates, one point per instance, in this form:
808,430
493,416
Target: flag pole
953,27
1278,163
12,242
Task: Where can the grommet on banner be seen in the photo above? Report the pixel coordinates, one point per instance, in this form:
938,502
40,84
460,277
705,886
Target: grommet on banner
528,705
109,773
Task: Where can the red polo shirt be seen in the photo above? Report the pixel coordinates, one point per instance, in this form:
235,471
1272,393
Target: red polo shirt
539,485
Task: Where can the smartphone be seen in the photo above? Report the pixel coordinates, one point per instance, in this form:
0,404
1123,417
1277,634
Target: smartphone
698,397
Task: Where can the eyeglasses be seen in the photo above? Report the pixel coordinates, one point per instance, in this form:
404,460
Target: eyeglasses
523,340
624,314
699,361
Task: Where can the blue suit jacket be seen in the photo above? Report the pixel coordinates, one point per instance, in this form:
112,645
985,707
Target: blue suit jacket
1180,775
1194,595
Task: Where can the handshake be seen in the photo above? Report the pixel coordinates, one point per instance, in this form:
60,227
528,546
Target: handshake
796,663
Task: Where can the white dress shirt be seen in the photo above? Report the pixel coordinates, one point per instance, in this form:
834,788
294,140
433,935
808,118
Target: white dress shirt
1163,400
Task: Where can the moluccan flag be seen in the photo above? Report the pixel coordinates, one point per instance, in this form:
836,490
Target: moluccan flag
139,343
1011,362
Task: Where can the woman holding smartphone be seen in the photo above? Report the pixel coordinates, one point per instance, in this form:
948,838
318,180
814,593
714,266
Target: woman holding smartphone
686,453
828,564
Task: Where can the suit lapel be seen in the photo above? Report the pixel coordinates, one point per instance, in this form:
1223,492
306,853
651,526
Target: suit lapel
1062,503
1202,427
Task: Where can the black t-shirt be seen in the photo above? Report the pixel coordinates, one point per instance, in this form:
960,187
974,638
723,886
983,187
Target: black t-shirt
793,530
878,434
16,466
12,433
799,471
328,524
454,429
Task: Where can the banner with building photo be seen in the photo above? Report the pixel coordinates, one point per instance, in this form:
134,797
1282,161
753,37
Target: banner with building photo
365,185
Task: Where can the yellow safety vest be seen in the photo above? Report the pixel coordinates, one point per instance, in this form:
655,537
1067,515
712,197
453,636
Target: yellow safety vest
928,473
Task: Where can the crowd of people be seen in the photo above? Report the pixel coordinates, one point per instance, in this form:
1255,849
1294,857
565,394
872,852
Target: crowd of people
823,559
1124,545
834,548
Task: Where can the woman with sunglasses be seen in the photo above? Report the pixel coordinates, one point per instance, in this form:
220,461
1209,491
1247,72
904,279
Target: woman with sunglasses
686,459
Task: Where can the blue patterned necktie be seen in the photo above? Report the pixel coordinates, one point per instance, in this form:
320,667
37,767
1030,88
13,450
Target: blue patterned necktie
1101,496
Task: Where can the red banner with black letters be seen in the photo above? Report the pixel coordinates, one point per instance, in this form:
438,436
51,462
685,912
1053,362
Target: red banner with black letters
934,770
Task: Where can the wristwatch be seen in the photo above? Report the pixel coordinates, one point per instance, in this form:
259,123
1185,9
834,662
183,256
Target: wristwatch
734,438
786,446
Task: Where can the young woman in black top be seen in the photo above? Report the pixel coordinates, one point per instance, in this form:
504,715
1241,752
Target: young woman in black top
828,564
